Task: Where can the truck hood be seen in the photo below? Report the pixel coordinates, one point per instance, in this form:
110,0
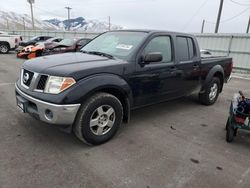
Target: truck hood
76,65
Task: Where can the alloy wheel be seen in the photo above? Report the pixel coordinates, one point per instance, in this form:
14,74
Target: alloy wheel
102,120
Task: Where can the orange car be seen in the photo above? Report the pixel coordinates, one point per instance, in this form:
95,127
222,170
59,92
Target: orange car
36,50
30,51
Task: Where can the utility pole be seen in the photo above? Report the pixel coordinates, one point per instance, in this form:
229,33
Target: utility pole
7,23
202,27
68,8
248,25
23,24
218,17
31,2
109,24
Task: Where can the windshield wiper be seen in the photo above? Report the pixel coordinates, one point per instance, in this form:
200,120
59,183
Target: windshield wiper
98,53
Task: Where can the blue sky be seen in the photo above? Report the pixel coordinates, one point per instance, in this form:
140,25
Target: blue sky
176,15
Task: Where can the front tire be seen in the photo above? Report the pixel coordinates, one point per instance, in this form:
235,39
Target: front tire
211,93
98,119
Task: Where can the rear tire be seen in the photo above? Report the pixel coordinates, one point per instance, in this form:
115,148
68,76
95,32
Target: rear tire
230,134
98,119
211,93
4,48
228,123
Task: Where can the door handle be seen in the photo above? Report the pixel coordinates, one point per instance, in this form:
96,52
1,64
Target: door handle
196,66
173,68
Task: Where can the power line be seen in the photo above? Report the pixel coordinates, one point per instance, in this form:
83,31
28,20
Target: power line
195,14
241,4
51,13
231,18
237,15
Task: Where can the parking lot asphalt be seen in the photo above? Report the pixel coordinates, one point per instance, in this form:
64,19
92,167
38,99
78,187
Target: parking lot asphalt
173,144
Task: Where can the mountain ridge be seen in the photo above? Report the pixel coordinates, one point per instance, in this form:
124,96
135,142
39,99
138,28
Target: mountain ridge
16,21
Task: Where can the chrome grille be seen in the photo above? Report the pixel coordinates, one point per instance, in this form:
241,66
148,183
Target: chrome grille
33,81
42,82
27,77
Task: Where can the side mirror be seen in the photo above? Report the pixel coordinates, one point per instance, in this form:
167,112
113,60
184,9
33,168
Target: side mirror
152,57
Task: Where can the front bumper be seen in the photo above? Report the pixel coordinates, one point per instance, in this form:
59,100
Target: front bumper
22,55
47,112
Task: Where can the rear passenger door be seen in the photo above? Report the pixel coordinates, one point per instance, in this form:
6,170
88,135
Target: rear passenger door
188,65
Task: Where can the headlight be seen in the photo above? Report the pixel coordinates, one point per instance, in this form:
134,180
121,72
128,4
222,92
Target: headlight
57,84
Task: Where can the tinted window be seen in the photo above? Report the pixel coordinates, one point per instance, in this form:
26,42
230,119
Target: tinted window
160,44
58,40
185,48
83,42
67,42
46,38
182,48
191,48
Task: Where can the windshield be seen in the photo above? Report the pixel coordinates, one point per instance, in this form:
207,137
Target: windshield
33,38
51,39
67,42
117,44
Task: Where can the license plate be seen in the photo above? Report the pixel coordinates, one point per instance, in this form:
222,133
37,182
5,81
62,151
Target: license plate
20,105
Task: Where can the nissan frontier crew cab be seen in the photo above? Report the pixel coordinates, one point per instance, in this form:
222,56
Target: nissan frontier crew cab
93,91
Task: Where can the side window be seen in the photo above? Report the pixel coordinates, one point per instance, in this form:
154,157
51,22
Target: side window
185,48
182,48
191,48
160,44
83,42
58,40
41,39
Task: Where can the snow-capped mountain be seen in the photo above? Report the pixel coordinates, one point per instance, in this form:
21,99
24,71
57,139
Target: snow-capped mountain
80,24
12,20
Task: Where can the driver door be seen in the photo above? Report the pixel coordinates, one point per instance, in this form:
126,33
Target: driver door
158,81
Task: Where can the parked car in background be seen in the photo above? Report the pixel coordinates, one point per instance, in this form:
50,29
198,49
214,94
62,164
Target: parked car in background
34,40
50,41
19,37
67,45
93,91
8,42
37,50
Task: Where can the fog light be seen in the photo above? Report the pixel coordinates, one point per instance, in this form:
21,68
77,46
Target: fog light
48,114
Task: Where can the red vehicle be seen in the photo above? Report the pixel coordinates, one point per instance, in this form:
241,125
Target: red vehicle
36,50
67,45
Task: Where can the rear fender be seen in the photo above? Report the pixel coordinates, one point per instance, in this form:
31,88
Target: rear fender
216,71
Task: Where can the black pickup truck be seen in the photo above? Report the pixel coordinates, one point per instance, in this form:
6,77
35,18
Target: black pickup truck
93,91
